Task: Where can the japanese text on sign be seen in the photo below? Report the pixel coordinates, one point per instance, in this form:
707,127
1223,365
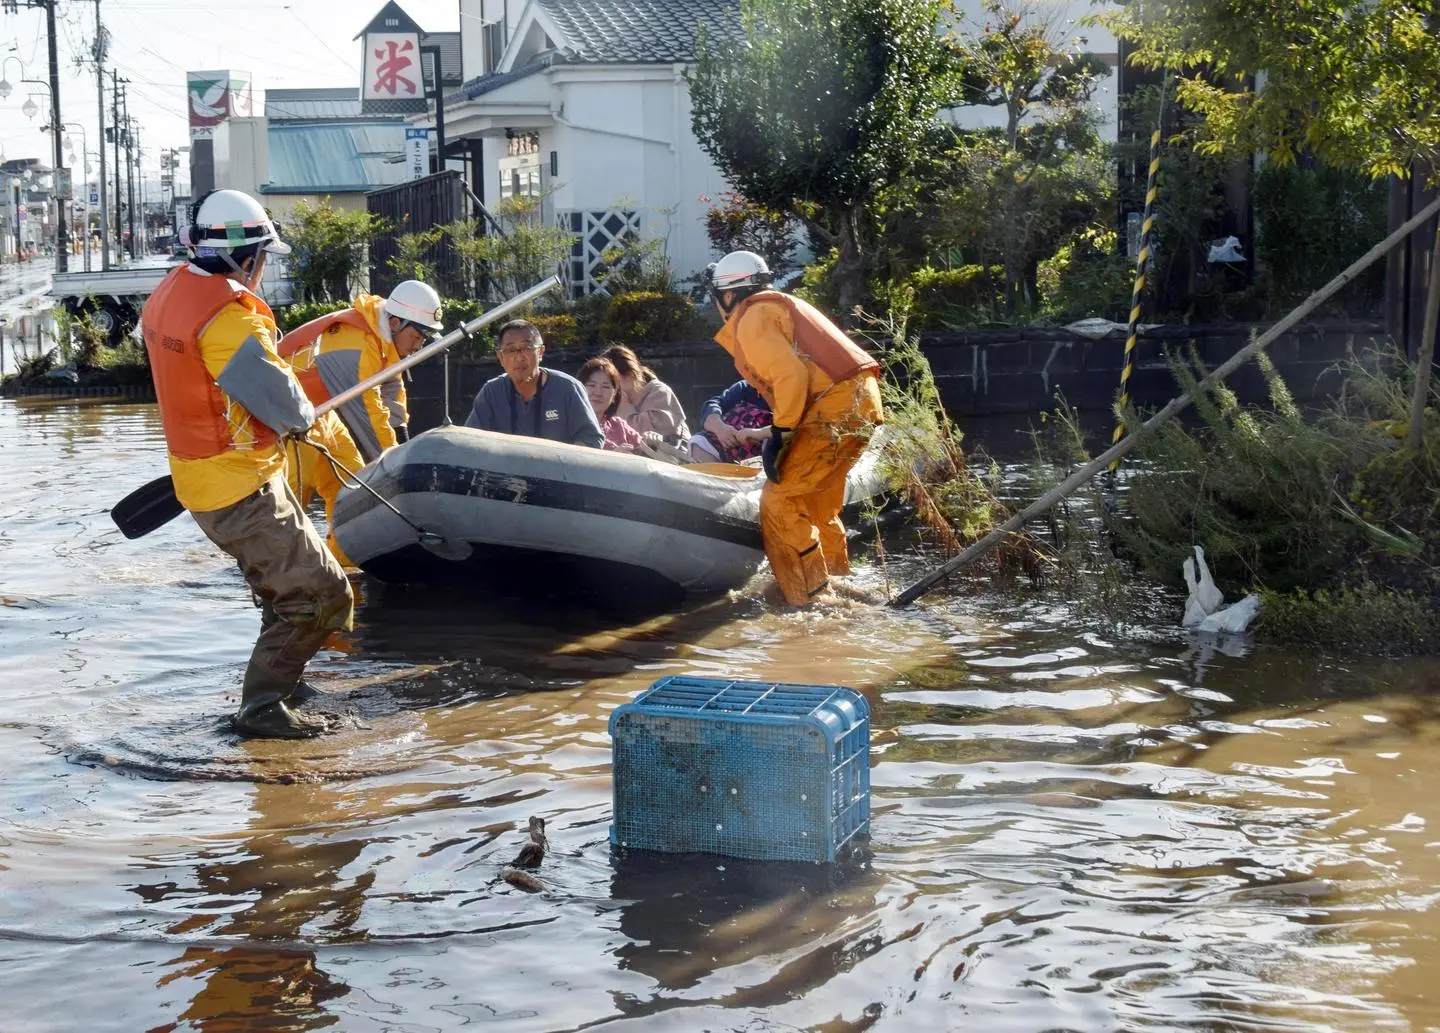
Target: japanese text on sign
392,66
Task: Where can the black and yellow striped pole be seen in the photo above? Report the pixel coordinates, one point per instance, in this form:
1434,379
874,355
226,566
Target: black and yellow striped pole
1142,265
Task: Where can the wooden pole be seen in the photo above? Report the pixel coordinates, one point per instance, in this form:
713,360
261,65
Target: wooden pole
1414,436
1175,406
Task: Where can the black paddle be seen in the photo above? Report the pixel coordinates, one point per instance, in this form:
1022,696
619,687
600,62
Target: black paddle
147,508
155,505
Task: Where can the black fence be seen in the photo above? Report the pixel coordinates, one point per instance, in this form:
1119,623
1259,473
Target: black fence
414,207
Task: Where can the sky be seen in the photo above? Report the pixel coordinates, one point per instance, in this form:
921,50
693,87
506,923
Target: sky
153,43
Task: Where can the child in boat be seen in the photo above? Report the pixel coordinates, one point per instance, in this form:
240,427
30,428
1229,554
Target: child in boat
734,426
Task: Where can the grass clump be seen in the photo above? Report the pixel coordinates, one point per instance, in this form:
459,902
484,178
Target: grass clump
923,459
1328,515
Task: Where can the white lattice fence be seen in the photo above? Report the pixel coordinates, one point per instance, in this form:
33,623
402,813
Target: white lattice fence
596,232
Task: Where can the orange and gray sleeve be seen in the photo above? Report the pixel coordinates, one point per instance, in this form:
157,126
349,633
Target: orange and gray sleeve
238,348
378,407
766,334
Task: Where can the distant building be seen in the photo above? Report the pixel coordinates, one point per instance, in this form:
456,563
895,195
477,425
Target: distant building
585,101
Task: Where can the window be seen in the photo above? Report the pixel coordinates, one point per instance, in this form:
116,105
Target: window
494,46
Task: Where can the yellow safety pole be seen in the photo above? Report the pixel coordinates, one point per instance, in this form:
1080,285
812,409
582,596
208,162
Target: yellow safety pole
1142,263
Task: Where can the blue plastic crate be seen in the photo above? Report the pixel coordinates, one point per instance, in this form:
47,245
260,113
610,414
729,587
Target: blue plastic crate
742,769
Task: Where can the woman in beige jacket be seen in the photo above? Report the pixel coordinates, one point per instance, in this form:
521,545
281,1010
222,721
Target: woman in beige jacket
646,402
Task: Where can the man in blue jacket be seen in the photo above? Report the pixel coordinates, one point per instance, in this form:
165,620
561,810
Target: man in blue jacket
530,400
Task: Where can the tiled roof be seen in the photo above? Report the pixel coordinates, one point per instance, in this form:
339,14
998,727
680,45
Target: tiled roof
640,31
338,158
483,85
332,104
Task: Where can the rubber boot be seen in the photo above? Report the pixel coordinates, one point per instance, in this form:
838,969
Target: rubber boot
302,693
263,713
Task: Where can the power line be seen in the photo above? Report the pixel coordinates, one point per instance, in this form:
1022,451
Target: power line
348,64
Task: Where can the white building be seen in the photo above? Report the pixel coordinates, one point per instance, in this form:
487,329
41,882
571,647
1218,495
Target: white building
586,101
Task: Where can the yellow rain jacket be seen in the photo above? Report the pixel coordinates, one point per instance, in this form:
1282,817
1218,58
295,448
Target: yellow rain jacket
225,395
338,351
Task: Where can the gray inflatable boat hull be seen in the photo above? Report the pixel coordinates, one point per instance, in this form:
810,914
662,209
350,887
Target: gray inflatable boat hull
538,513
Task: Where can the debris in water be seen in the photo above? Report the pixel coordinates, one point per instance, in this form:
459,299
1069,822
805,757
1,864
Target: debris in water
530,856
522,880
533,852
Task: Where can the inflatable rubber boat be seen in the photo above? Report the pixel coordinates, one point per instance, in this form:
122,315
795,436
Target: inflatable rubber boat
517,514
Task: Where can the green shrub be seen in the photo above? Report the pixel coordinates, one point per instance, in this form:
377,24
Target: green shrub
1365,619
951,299
641,317
559,330
817,283
1313,222
1087,276
291,316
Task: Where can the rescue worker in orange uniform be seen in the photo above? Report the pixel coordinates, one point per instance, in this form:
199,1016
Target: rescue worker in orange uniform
825,395
335,352
227,400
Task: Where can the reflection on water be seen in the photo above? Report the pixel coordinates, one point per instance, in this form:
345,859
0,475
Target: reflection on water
1071,830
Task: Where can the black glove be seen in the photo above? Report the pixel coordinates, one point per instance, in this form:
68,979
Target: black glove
402,433
773,451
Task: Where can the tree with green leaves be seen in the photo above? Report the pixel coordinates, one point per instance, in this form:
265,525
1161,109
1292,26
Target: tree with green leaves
821,107
330,249
1010,196
1356,83
514,254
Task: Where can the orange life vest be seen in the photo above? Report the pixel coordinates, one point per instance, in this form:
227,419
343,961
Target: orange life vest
817,339
193,410
309,334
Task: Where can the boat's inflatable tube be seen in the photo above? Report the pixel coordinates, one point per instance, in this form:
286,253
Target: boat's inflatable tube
558,517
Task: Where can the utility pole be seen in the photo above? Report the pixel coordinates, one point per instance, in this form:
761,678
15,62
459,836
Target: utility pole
130,176
119,197
63,211
100,54
439,96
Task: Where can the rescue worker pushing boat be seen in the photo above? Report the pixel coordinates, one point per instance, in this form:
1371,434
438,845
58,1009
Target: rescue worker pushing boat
226,400
333,353
825,395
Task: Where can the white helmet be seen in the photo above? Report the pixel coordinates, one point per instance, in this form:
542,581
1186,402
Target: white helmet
740,270
415,302
229,219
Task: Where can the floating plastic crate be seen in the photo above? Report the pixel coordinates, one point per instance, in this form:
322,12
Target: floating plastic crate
742,769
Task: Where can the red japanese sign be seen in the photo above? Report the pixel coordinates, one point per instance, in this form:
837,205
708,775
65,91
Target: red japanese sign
392,67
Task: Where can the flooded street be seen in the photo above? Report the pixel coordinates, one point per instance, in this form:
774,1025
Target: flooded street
1071,830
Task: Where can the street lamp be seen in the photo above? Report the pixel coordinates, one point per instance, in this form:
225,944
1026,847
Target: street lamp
5,87
62,219
85,184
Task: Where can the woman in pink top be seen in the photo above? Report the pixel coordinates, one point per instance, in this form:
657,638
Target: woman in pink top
602,387
646,403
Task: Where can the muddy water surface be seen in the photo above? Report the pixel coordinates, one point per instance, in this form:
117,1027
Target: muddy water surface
1072,830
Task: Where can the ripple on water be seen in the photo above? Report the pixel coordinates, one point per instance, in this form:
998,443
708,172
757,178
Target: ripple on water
1073,828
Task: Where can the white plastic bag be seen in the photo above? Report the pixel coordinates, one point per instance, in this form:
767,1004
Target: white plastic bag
1232,619
1204,598
1205,609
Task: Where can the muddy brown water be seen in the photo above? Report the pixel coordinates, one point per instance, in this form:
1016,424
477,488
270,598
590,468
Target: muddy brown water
1072,830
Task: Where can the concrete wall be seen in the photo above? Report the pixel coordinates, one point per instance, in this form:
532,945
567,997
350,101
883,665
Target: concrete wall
985,375
242,155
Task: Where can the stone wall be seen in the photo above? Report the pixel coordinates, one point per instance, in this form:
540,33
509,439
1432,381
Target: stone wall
985,373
